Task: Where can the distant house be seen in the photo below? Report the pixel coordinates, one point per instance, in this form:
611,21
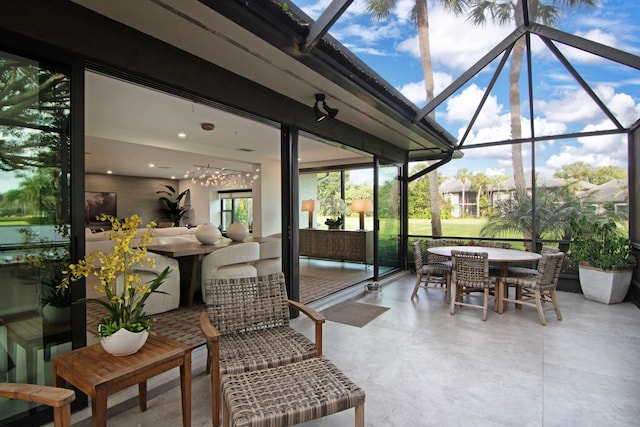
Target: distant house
614,192
452,191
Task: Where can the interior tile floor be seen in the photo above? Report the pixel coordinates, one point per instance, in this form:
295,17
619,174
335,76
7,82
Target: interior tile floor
420,366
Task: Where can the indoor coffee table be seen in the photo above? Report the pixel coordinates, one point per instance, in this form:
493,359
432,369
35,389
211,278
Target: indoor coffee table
99,374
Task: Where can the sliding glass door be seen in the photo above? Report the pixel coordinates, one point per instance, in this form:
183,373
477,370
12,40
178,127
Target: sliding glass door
35,319
389,224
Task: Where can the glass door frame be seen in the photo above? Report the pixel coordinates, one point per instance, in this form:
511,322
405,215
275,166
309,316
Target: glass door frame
379,163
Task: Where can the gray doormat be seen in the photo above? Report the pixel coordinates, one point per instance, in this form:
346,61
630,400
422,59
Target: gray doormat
354,314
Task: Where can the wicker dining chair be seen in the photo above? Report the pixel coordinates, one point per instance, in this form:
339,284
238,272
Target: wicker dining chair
470,274
495,244
518,270
437,269
540,287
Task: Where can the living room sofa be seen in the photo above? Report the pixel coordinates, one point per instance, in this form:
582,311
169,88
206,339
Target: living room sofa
99,241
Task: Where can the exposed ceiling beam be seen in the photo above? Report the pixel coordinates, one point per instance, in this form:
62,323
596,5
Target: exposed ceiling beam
602,50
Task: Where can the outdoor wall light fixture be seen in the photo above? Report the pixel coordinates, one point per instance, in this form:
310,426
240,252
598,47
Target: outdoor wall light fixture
330,112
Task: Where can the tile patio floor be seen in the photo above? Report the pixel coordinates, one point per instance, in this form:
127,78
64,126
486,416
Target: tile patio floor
421,366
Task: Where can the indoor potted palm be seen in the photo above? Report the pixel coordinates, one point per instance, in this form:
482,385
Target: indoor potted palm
605,259
171,204
126,328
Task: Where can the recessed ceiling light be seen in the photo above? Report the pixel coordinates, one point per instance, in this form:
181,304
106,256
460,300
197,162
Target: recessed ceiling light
151,165
207,126
173,177
182,135
109,172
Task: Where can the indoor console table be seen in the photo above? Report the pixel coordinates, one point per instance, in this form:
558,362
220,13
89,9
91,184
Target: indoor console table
99,374
342,245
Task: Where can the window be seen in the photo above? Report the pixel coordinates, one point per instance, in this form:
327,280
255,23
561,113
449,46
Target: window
236,206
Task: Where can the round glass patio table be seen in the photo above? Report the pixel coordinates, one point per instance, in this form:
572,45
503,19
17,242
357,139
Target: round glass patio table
499,256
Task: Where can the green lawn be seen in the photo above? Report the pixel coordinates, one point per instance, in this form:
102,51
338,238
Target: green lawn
13,223
467,227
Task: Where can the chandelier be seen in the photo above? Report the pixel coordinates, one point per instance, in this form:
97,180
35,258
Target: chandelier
222,177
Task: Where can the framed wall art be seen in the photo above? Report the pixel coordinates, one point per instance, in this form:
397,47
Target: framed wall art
97,203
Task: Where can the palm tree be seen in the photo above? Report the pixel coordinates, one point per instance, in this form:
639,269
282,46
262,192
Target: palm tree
479,181
381,9
496,184
462,175
503,12
553,213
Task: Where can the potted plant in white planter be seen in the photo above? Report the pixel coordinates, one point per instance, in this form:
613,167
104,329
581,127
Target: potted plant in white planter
606,262
126,327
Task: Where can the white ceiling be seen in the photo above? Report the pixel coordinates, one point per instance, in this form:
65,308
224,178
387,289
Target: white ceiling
129,127
121,112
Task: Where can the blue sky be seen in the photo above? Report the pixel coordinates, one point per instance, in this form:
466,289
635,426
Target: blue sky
560,105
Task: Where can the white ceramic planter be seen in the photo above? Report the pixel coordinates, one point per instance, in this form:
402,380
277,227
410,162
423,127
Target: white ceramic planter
123,342
608,287
208,234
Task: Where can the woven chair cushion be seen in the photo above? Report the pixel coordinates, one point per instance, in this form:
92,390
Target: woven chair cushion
522,271
266,348
438,268
289,394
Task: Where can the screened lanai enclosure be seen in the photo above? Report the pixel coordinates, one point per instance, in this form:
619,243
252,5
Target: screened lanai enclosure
396,120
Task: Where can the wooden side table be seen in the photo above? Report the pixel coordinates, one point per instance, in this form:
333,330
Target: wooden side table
99,374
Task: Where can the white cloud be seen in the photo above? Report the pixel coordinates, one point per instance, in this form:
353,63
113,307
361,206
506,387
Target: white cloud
367,50
573,106
576,106
621,105
596,35
370,34
460,108
495,172
595,150
416,93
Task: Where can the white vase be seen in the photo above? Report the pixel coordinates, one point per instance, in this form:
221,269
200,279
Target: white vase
124,342
208,234
237,232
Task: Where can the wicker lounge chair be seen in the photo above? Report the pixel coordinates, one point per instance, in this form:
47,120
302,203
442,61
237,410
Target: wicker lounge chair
247,329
